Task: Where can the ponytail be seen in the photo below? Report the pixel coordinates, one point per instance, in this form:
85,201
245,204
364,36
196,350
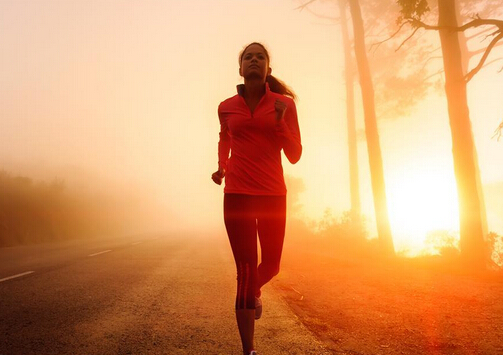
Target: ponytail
279,87
275,85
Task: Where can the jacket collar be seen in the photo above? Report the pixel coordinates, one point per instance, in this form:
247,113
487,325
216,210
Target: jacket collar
241,89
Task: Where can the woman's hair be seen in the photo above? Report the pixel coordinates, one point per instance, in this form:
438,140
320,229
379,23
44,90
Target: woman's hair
275,84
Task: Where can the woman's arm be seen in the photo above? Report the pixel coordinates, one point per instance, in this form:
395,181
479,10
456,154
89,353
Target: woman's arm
288,128
224,146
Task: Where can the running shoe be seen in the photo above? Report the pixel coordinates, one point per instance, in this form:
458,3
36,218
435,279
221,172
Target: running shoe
258,307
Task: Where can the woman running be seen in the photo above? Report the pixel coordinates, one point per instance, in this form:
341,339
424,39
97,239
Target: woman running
255,125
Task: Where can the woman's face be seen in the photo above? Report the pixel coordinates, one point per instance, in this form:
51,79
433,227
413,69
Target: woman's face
254,63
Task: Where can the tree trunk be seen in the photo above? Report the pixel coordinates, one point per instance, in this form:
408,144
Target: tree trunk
463,147
465,60
354,182
373,145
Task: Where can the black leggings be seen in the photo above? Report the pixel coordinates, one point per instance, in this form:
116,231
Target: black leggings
244,216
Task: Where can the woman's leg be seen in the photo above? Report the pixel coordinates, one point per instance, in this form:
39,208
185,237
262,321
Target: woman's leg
246,325
271,230
241,225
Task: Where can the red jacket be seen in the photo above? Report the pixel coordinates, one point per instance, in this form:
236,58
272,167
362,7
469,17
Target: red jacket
255,142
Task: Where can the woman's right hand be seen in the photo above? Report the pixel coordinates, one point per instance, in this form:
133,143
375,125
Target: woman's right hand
218,176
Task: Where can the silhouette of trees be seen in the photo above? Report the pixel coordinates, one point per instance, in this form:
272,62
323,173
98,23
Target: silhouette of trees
413,76
33,212
295,187
371,131
28,211
349,79
471,203
443,242
495,248
349,76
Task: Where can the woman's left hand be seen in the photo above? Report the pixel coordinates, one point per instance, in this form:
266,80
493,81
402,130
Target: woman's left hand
280,108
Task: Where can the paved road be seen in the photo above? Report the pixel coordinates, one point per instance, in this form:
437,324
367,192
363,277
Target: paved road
137,295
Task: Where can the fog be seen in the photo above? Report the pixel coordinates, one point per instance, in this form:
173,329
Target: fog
121,97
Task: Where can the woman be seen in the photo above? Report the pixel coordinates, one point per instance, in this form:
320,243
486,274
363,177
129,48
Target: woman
255,125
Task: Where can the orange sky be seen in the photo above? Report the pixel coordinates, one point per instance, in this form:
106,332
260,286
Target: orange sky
128,91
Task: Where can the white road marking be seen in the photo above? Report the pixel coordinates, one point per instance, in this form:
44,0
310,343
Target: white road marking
101,252
135,243
18,275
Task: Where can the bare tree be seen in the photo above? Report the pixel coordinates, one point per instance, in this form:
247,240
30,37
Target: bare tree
350,114
349,76
371,132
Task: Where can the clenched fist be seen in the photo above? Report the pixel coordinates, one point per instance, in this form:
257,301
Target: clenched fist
218,176
280,108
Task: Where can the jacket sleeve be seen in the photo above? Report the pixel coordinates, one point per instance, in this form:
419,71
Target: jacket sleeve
224,143
288,130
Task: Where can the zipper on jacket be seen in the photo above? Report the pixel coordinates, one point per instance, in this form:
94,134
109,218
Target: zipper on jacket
258,104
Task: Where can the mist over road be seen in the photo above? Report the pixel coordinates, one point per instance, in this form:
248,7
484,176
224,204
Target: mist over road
136,295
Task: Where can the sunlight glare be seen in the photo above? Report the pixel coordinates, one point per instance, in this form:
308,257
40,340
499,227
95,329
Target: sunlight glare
419,203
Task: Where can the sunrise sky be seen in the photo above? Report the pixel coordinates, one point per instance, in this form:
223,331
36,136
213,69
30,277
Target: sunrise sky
126,92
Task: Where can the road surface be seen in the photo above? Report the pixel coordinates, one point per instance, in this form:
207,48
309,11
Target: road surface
165,294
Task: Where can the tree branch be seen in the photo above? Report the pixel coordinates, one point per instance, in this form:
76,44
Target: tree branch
440,71
475,70
411,35
475,35
377,44
491,62
474,23
498,131
430,58
482,50
305,6
481,22
491,34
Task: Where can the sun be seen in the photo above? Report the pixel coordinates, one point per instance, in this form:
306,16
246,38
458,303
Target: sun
418,203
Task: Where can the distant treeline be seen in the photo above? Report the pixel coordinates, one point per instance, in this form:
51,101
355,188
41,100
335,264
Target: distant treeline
32,212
